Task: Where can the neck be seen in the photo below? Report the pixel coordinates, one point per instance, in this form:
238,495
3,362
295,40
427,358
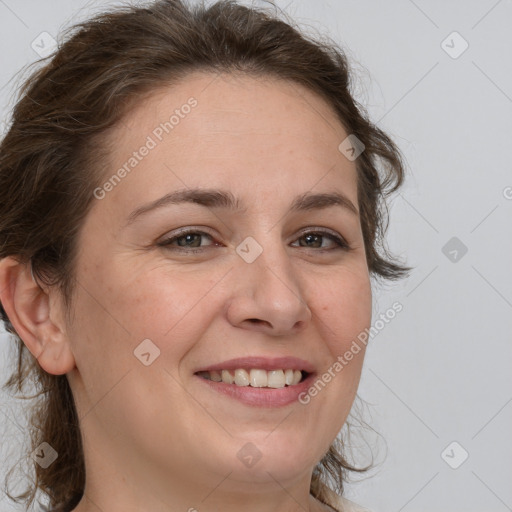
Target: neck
121,497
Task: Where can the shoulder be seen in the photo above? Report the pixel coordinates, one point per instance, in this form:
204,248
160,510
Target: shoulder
341,504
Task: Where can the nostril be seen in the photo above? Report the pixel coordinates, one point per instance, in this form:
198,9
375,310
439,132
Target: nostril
258,321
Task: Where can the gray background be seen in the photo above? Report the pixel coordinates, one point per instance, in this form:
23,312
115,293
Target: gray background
441,370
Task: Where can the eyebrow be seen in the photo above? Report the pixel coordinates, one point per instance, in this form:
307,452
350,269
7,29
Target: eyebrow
215,198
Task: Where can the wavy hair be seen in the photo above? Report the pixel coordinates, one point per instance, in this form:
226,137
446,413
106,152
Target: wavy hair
52,158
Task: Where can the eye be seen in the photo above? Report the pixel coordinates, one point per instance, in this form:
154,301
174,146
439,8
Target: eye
185,240
190,241
314,240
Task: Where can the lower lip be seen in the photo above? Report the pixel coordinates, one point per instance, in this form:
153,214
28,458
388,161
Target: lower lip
261,397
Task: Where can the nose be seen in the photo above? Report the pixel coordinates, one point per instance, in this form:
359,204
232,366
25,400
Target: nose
267,294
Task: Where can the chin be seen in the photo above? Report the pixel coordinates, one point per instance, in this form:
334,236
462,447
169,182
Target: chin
278,459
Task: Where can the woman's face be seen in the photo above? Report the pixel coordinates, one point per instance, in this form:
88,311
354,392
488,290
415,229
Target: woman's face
259,282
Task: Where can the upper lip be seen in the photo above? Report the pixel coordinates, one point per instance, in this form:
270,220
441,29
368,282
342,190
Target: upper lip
261,363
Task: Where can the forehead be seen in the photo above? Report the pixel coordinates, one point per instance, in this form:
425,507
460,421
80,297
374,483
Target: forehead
233,104
232,130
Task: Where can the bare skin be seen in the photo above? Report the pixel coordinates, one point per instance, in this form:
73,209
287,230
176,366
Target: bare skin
157,437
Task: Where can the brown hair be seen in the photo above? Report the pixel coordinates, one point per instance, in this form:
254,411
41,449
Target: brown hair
52,158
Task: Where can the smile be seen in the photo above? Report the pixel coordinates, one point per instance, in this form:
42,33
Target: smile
256,377
258,381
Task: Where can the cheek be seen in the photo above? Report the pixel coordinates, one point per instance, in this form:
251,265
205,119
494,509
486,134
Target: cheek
345,311
171,310
343,307
115,312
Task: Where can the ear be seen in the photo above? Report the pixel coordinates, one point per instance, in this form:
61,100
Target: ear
37,315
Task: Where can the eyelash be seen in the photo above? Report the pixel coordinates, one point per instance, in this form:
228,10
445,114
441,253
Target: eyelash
338,240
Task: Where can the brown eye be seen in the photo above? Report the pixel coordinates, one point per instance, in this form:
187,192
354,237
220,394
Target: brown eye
186,240
315,240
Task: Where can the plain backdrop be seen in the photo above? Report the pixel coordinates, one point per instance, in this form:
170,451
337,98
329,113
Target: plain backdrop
437,381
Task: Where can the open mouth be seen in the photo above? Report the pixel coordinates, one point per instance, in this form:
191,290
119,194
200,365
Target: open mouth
256,377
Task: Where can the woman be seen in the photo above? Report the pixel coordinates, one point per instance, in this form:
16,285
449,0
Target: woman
191,214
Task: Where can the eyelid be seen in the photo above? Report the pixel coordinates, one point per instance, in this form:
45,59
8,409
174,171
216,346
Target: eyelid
318,229
190,229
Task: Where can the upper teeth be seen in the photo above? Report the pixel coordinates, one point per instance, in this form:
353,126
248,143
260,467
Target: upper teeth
256,378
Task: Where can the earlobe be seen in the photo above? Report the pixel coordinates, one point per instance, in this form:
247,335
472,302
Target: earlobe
33,314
